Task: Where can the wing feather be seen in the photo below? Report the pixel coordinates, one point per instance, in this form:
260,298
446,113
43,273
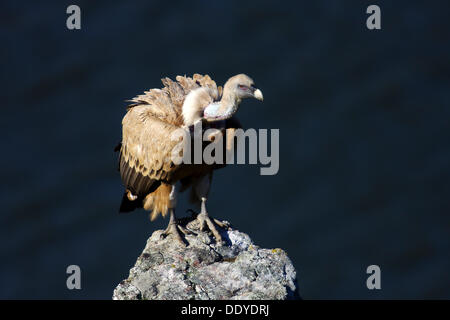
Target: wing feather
146,145
145,154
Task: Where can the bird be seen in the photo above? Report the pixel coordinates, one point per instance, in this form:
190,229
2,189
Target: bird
151,178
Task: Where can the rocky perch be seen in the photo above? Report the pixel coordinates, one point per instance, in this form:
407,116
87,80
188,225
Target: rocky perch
205,270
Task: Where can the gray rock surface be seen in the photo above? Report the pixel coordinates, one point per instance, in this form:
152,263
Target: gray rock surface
204,270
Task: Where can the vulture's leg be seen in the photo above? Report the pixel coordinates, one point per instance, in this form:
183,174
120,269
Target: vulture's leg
202,189
174,228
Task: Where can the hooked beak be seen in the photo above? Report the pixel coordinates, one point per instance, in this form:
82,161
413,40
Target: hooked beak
258,95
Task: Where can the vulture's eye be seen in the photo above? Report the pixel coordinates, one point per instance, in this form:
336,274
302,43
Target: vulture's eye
242,87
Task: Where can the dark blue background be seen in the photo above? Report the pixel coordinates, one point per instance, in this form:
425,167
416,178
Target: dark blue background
364,123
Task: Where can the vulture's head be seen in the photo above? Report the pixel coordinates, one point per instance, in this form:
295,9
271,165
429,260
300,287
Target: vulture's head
242,86
235,89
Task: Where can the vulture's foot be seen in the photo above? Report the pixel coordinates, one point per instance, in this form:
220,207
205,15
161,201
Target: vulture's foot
174,229
204,220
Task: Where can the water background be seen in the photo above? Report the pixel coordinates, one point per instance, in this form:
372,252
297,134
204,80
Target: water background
364,119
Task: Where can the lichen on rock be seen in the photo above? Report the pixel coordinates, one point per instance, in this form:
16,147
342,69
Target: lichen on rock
205,270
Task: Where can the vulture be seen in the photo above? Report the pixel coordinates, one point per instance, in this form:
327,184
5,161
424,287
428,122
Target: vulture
150,177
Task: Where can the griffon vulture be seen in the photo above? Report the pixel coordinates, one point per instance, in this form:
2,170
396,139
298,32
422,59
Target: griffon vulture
148,173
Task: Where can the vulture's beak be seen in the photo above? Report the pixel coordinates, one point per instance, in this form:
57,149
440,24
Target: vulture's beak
258,95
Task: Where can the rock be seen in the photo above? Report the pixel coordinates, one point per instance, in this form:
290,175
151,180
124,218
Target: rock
205,270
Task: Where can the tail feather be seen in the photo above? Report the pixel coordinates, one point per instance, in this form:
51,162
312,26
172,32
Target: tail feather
159,201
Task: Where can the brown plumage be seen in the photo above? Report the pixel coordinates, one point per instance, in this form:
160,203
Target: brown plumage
146,167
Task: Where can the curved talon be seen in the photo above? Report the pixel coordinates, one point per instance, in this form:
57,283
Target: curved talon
185,230
221,224
174,230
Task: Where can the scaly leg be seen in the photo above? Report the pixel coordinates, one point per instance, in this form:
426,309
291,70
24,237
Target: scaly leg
201,188
204,220
174,228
